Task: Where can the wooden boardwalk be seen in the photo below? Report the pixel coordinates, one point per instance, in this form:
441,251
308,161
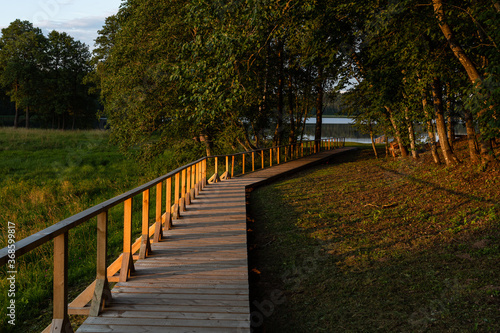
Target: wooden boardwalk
196,278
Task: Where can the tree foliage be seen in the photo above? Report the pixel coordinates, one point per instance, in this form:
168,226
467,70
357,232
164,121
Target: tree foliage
44,75
256,69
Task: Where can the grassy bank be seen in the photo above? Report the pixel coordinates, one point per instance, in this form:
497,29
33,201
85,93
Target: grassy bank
47,176
364,245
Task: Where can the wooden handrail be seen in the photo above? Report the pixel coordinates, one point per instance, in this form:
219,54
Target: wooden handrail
189,180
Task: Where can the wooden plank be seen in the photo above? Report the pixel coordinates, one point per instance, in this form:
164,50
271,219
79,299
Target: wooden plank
178,308
156,329
178,291
166,322
202,314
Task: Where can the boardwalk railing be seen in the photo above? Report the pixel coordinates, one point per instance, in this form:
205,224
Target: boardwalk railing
181,186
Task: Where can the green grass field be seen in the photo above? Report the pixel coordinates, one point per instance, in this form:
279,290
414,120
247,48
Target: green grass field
47,176
365,245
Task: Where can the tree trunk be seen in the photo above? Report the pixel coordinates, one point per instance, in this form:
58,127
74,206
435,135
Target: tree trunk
448,155
373,142
471,137
469,66
496,4
27,117
291,134
279,123
386,145
208,143
402,148
430,129
466,62
319,108
450,128
16,117
411,134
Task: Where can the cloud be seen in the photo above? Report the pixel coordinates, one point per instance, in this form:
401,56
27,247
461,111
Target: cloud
83,29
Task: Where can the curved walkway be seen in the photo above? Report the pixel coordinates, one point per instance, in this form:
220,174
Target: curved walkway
196,278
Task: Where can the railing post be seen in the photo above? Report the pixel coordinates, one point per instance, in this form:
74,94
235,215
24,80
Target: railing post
270,157
232,166
168,203
204,173
193,182
243,163
145,249
60,318
102,293
182,201
158,222
278,155
187,197
176,213
227,164
127,260
302,149
197,186
216,167
253,161
262,158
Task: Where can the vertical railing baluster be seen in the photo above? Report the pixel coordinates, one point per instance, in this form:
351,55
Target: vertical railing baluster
127,260
243,163
197,179
145,248
216,167
193,182
253,161
60,318
177,197
158,220
262,158
227,166
232,166
168,203
102,293
270,157
204,173
187,197
182,201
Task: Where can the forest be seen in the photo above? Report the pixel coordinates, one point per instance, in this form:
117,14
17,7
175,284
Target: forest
245,74
42,79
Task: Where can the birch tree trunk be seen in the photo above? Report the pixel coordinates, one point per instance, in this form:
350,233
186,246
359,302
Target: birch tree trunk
469,66
411,134
373,142
279,123
471,137
319,107
402,148
430,130
449,157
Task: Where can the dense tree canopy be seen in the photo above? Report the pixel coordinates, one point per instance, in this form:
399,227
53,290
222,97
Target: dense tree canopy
251,71
44,75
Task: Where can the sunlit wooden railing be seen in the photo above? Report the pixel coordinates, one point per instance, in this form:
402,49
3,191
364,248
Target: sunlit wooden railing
181,186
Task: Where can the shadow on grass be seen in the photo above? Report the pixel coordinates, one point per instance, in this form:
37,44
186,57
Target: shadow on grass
401,273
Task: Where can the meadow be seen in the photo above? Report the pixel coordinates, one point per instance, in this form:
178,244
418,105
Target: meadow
49,175
366,245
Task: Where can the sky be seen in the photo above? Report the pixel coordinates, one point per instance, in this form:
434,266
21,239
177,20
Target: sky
81,19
